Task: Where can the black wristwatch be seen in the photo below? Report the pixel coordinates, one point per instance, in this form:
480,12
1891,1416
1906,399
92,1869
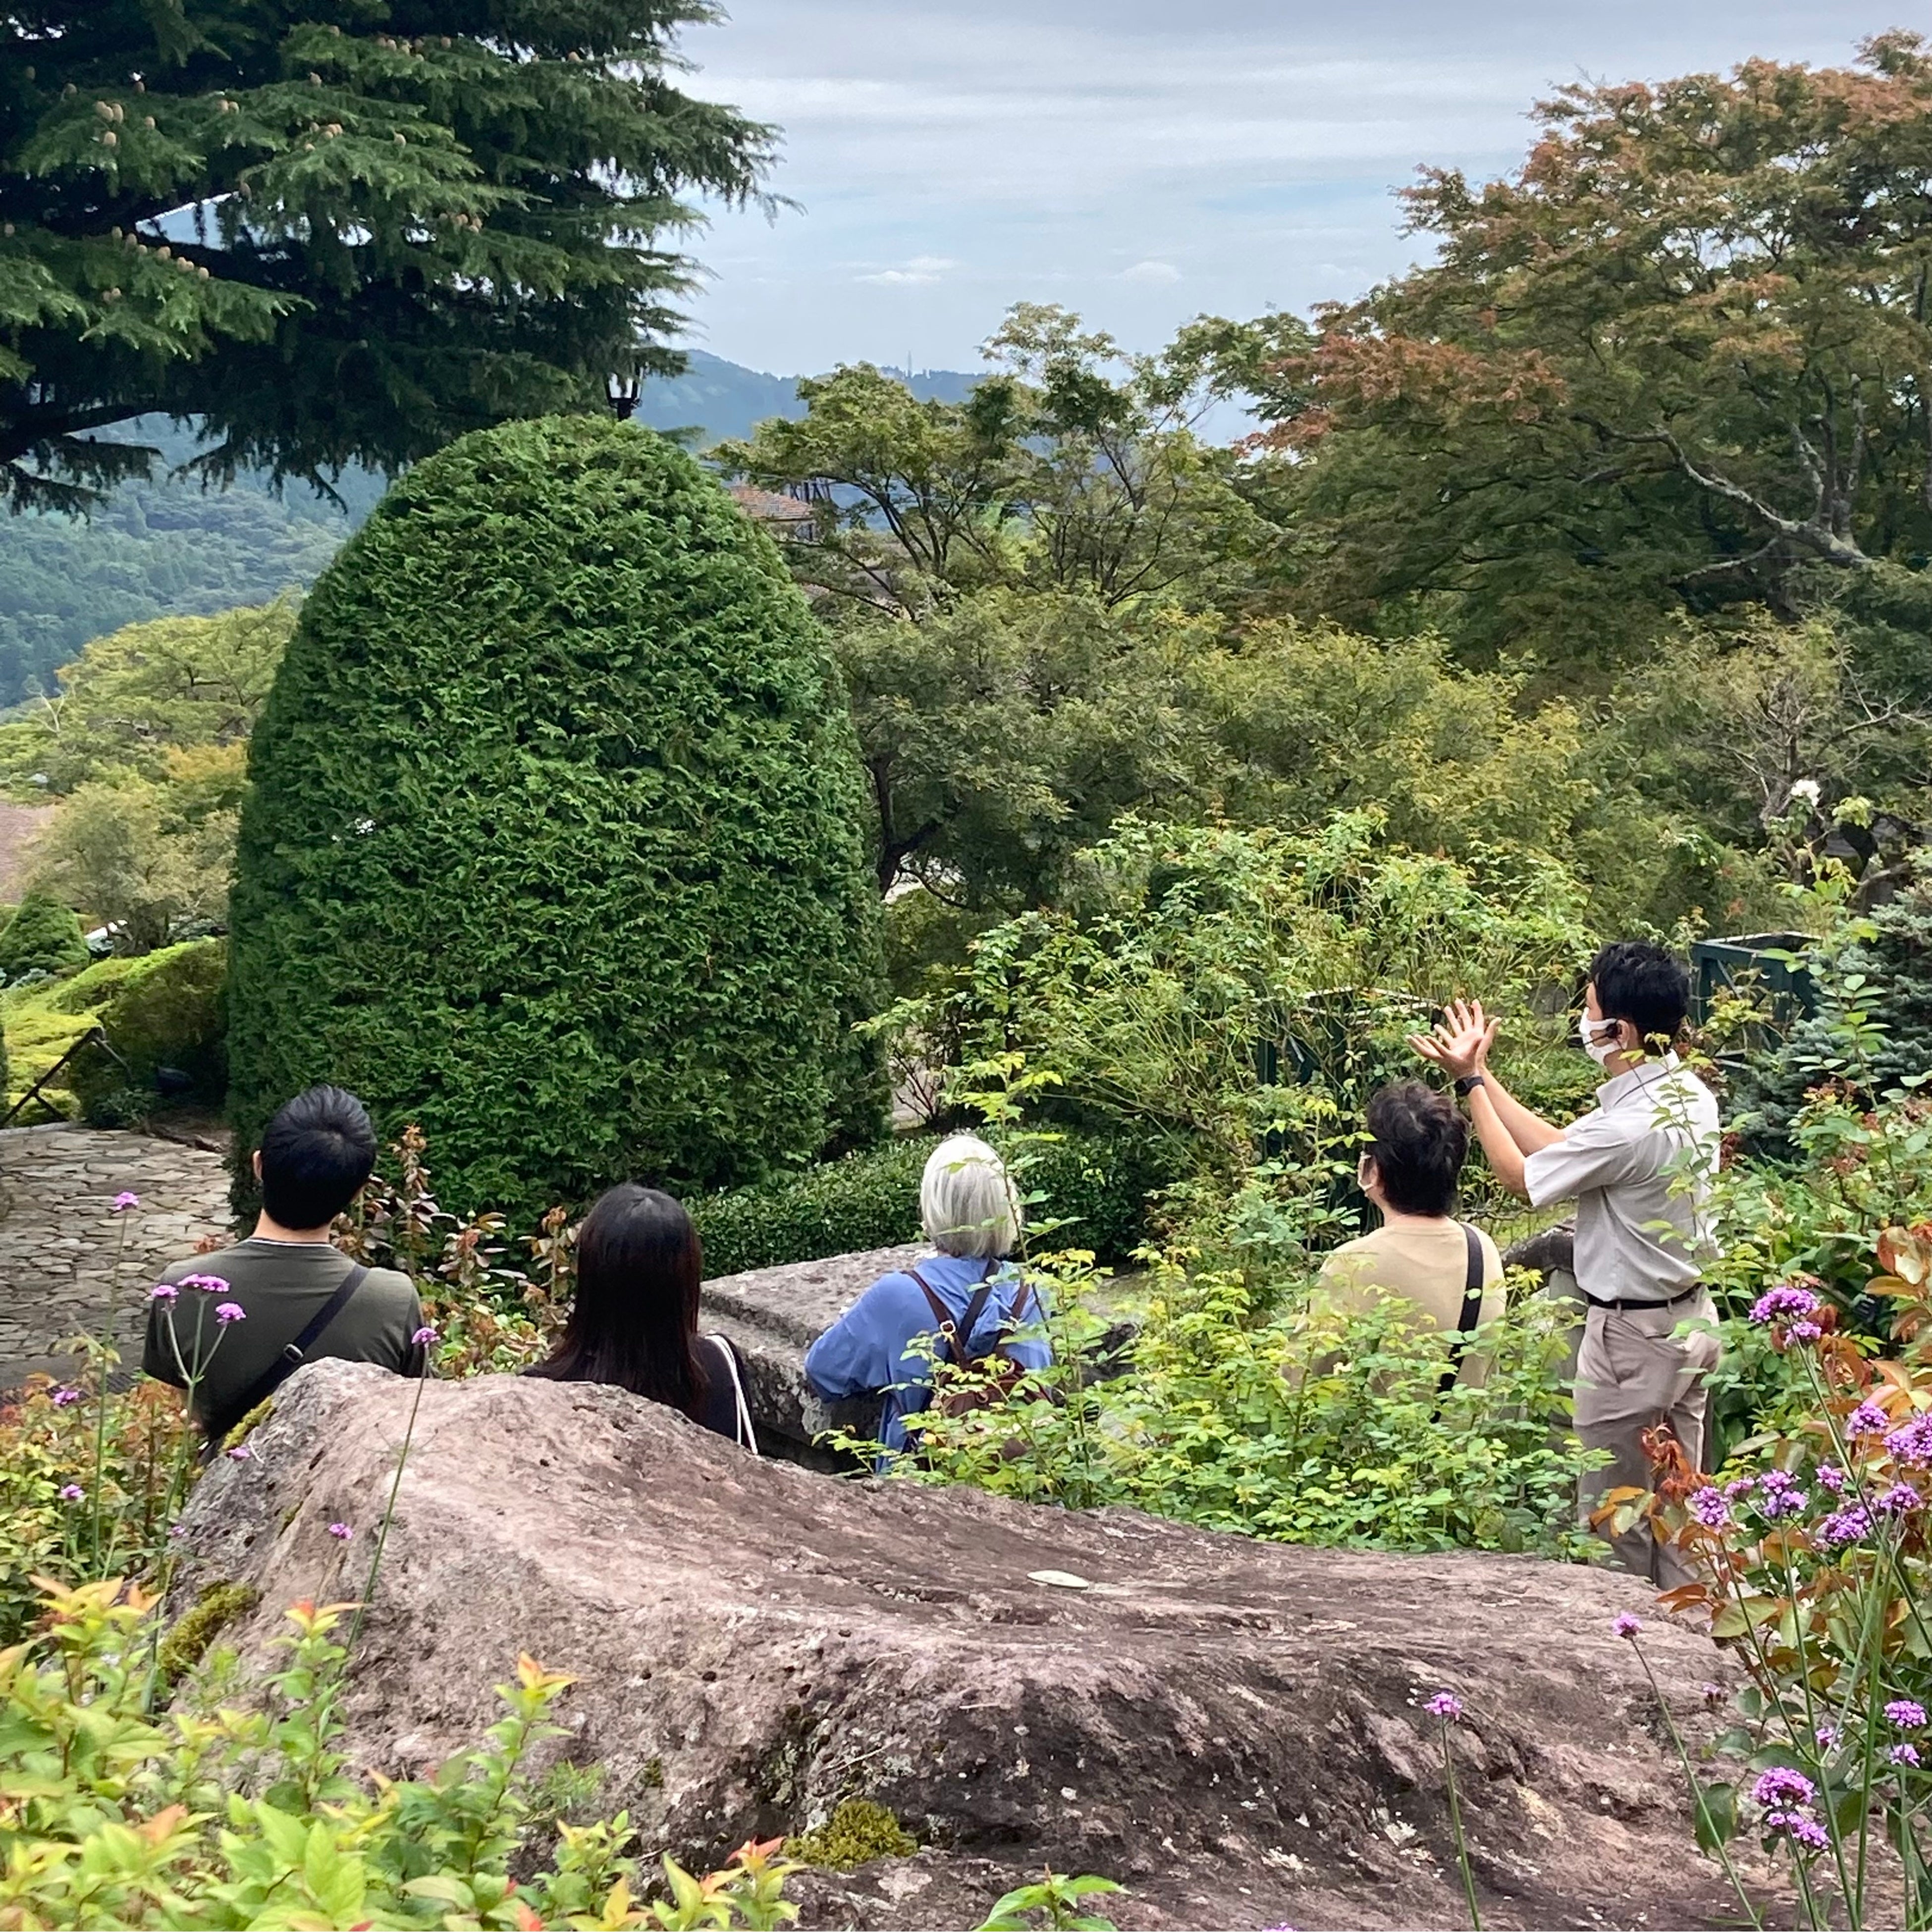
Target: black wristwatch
1468,1084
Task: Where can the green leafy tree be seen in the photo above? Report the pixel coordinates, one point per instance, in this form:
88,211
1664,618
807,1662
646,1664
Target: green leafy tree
131,698
1071,466
150,860
1006,730
42,936
404,223
553,843
1678,361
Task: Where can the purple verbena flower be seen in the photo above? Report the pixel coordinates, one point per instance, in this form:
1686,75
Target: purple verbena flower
164,1290
1904,1754
1845,1526
230,1311
1713,1693
1444,1705
71,1492
1906,1713
241,1453
1900,1500
176,1532
341,1531
1782,1786
1778,1479
124,1201
65,1398
208,1284
1785,1303
1833,1477
1912,1441
1805,1832
1624,1625
1708,1506
1783,1502
424,1337
1868,1419
1802,1332
1741,1486
1825,1737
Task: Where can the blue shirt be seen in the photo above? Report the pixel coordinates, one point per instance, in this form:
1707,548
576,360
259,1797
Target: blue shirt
868,1347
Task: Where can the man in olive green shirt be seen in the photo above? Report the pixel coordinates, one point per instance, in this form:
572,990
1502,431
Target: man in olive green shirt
218,1324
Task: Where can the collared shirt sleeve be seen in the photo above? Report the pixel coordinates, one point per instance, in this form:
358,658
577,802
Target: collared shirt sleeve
1594,1152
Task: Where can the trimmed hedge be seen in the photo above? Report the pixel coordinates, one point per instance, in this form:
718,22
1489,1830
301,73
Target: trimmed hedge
42,936
555,845
163,1009
1096,1184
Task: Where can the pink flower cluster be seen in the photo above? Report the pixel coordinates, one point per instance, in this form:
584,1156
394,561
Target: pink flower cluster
1785,1303
1445,1705
1786,1798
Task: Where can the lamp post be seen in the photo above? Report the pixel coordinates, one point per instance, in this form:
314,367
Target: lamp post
622,392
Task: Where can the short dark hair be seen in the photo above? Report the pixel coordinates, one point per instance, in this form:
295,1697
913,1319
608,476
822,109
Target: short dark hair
1418,1140
1640,982
316,1154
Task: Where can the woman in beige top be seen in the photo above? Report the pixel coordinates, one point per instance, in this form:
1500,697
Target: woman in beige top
1418,1140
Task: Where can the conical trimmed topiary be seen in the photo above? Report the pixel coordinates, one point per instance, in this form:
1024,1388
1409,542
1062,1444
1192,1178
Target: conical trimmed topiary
554,843
43,935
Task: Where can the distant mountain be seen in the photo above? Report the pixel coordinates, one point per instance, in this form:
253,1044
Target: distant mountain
720,399
170,548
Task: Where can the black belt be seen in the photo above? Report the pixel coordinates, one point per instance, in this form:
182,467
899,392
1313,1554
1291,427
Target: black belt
1625,1307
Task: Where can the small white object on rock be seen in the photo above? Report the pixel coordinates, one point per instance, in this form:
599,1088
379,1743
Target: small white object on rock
1061,1579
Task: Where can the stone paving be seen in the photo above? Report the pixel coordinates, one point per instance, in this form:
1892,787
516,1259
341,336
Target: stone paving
59,1235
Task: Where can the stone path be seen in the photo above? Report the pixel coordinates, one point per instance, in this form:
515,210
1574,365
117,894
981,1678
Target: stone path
59,1235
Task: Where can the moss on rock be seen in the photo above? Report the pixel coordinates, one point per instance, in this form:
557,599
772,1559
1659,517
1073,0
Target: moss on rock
856,1832
187,1643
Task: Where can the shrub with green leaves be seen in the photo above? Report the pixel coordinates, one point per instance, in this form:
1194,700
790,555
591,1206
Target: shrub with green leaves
42,936
555,844
164,1008
1093,1188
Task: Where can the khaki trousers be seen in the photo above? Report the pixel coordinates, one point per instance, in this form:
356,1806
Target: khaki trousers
1631,1376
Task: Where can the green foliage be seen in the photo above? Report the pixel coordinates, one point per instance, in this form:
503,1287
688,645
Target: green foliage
1871,1035
150,860
42,936
186,1642
553,845
166,1009
1220,994
1812,1565
131,698
212,1815
1093,1187
1303,1426
1657,368
858,1832
1053,1904
398,236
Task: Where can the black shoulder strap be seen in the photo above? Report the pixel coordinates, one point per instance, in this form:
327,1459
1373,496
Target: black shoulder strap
294,1355
1471,1311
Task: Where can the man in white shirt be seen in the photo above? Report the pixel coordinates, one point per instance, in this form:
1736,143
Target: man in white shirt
1640,1169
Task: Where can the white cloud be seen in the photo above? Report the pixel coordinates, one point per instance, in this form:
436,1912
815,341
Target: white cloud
917,273
1048,145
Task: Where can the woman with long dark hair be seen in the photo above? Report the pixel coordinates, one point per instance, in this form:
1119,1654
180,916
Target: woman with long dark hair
634,1320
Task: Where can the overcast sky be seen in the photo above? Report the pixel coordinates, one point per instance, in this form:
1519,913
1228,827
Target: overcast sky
1141,161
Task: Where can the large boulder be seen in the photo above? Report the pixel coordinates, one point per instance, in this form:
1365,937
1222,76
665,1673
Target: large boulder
1234,1730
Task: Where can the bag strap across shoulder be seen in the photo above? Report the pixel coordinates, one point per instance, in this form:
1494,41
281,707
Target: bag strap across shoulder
1471,1310
957,1336
295,1353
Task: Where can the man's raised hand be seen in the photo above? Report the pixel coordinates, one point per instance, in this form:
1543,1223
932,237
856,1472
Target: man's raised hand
1459,1042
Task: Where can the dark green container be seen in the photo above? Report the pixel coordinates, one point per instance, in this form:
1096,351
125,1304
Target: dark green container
1768,963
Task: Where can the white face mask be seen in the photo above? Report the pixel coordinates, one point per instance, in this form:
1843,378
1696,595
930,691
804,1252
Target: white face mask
1599,1051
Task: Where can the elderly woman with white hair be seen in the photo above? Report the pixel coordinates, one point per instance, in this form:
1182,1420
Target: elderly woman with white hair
966,1290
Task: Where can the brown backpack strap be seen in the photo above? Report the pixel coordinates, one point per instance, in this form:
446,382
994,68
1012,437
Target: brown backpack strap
957,1336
